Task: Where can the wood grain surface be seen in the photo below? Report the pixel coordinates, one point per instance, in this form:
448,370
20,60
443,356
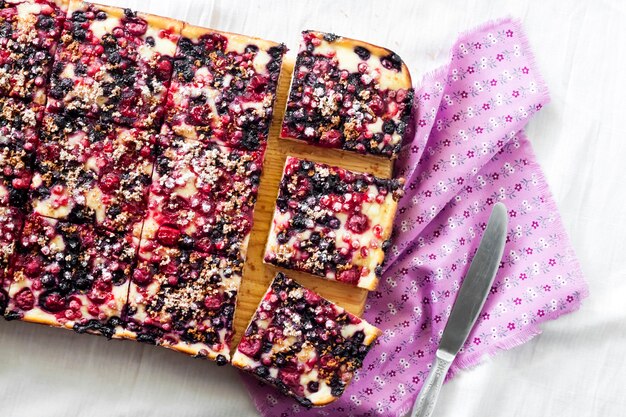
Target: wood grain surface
258,275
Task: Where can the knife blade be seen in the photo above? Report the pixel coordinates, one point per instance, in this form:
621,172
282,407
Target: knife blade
469,302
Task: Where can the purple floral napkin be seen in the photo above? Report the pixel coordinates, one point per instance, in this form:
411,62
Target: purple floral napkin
469,151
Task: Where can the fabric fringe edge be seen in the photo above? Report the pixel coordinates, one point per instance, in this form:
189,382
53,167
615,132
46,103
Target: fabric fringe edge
517,25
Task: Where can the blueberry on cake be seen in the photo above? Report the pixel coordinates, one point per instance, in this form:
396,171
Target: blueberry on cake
71,276
202,196
185,300
90,171
113,63
304,345
332,222
348,94
29,32
18,143
10,228
223,87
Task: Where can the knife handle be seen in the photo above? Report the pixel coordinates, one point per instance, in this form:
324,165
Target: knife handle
425,402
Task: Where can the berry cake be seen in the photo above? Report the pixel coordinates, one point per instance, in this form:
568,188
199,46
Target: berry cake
113,63
202,196
185,300
71,276
332,222
29,31
223,87
91,171
18,142
303,344
10,227
348,94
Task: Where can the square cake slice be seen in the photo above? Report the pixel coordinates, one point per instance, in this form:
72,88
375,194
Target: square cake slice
348,94
114,63
29,31
18,142
185,300
202,196
10,228
91,171
304,345
223,87
71,276
332,222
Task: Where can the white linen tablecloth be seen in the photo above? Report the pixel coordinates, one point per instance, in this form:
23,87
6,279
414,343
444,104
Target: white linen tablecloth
577,367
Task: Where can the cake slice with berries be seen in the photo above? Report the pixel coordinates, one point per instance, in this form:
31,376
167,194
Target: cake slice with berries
185,300
18,142
71,276
114,63
29,31
88,170
348,94
202,196
304,345
332,222
223,87
10,227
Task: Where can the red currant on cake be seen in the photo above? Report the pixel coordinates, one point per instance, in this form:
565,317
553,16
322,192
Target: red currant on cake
91,171
185,300
223,87
332,222
71,276
10,227
304,345
29,31
202,196
18,142
113,63
348,94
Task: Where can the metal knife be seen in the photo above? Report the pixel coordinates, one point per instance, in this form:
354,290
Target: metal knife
469,302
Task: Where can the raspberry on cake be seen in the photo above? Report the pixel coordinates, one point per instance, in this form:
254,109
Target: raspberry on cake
304,345
91,171
202,196
348,94
332,222
185,300
223,87
71,276
113,63
18,142
29,31
10,227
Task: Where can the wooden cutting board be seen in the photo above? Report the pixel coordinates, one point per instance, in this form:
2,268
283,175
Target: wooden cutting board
258,275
